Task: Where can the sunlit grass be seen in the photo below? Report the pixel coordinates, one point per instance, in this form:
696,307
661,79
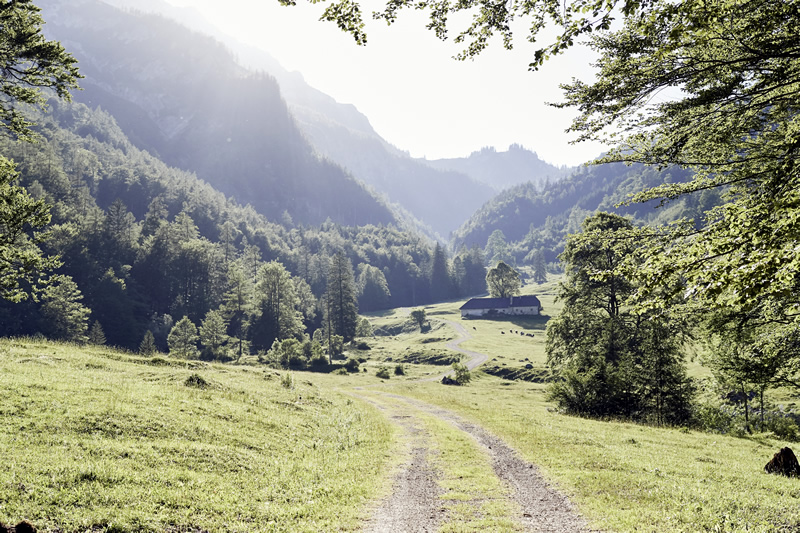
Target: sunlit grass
629,477
94,438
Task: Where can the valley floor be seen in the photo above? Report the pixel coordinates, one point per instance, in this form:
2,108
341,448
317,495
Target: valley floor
101,440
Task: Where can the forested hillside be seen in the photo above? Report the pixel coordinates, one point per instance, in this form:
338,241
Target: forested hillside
181,96
527,218
144,244
501,170
338,132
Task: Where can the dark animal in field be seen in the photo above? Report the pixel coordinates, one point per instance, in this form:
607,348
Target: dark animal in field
784,462
503,332
447,380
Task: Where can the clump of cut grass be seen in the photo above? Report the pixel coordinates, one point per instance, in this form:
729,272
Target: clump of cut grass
196,381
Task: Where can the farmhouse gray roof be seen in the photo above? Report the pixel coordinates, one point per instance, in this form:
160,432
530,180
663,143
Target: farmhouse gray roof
502,303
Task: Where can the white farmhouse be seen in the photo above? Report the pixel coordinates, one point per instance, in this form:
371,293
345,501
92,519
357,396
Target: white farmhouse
516,305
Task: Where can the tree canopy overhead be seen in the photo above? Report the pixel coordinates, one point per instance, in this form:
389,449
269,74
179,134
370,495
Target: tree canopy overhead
712,86
29,63
488,19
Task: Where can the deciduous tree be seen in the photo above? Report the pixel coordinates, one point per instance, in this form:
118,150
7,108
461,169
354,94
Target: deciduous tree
607,359
503,281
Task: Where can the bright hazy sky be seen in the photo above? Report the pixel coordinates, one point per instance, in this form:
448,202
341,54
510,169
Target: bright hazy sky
406,82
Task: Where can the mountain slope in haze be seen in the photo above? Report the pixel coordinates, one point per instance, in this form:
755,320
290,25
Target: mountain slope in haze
181,96
146,243
532,218
440,199
502,170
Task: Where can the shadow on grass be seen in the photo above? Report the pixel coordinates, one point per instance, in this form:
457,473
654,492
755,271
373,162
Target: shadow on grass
538,322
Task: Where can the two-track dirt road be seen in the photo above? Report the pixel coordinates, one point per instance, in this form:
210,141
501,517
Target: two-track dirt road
419,503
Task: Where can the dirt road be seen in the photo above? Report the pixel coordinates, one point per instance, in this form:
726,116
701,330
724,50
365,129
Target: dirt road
420,503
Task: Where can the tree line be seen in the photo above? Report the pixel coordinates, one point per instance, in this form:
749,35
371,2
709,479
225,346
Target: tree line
141,245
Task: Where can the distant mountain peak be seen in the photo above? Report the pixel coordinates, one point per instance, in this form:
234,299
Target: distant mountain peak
502,170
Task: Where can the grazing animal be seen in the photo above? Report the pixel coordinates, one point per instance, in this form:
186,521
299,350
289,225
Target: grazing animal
503,332
784,462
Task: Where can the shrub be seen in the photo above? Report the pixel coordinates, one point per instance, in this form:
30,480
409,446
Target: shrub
382,373
463,375
352,365
341,371
319,360
287,381
399,370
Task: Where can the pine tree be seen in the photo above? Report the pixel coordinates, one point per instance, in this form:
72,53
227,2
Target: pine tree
96,335
606,359
276,315
213,334
539,267
238,306
148,344
182,340
65,317
341,304
440,279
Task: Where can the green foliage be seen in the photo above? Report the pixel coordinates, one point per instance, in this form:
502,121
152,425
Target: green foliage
182,339
335,346
341,305
352,365
606,359
21,259
373,290
286,353
503,281
364,328
196,381
213,335
276,307
539,266
96,335
462,373
419,316
382,373
732,120
64,316
148,344
29,63
287,381
399,369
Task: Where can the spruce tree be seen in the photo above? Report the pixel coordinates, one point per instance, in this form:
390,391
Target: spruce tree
65,317
341,304
148,344
96,335
182,340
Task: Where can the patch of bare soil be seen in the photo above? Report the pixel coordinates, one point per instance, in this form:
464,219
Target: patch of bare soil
543,507
414,503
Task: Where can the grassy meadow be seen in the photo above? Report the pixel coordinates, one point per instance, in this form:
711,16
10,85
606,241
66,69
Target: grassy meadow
95,439
101,440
